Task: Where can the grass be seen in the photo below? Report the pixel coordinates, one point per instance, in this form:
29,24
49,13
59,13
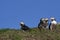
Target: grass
33,34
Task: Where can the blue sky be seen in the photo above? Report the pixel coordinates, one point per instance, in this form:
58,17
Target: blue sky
12,12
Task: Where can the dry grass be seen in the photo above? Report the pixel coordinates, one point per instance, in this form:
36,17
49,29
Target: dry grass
33,34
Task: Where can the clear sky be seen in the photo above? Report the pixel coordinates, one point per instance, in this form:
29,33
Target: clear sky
12,12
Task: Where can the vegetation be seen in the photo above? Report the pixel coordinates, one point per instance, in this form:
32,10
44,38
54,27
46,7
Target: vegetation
33,34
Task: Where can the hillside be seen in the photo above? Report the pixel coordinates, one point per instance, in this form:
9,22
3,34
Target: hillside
33,34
